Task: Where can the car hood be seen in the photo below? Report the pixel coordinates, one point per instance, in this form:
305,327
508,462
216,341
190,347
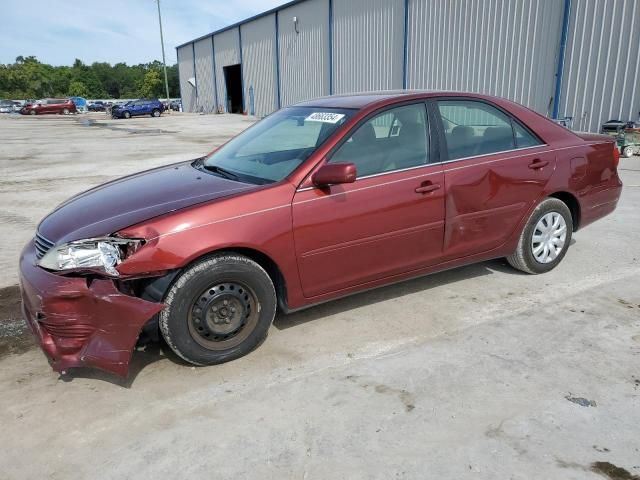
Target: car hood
121,203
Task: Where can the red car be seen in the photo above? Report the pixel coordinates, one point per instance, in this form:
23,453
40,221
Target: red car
62,106
319,200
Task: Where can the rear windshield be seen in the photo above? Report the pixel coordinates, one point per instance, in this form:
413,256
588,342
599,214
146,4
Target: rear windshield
277,145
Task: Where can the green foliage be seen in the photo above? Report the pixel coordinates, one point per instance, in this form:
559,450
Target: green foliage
78,89
151,84
28,78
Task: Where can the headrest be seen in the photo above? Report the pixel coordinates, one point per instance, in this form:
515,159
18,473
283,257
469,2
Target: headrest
365,134
462,131
498,133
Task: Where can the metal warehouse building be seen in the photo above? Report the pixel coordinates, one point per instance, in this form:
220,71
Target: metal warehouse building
576,58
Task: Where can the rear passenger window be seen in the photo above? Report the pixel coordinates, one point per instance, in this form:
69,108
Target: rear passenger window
393,140
475,128
523,137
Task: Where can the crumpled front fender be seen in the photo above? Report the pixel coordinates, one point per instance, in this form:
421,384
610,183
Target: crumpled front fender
78,322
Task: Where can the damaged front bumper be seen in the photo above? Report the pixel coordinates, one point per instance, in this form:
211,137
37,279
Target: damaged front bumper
80,322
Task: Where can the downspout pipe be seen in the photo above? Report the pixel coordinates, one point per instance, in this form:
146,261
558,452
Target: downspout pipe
566,16
405,53
244,106
278,101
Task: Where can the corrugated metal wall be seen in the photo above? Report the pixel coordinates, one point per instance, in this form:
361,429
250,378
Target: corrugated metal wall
304,55
259,64
185,69
602,63
507,48
368,45
499,47
227,52
204,76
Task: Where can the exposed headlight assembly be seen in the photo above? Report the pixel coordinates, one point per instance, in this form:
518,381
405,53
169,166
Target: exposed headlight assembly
92,254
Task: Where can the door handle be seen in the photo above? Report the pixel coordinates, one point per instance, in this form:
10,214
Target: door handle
536,164
428,187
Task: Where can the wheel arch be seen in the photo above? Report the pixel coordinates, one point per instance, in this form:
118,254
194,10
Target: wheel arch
155,289
571,201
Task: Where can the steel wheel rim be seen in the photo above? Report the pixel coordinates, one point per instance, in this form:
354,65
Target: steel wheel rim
549,237
223,315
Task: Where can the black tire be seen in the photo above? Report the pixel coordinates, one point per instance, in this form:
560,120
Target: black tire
33,112
523,258
192,324
126,114
65,111
627,152
155,112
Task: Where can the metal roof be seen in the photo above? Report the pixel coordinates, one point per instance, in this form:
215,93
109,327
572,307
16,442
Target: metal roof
242,22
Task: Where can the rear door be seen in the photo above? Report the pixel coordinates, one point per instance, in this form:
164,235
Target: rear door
389,221
48,106
495,170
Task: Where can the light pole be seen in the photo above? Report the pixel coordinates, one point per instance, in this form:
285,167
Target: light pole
164,62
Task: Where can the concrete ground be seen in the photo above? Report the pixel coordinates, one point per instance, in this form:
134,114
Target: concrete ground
480,372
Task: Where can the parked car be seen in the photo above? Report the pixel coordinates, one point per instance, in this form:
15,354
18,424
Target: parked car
63,106
17,106
139,107
6,106
175,105
319,200
97,106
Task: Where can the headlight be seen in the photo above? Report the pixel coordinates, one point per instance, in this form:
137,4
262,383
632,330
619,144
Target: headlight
94,253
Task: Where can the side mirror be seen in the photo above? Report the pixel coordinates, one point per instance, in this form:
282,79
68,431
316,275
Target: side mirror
334,173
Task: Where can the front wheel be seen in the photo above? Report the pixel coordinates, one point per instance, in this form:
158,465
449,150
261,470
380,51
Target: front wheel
32,112
155,113
627,152
218,310
545,238
126,115
65,111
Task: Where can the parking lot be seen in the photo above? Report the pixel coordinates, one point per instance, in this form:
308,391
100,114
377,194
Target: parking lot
477,372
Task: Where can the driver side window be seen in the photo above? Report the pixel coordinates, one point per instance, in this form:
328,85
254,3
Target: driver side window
392,140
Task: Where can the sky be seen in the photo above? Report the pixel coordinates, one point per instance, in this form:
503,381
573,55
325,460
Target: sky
59,31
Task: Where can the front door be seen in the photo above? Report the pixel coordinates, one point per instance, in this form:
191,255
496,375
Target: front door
389,221
497,170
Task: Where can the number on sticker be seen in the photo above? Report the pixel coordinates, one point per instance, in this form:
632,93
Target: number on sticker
326,117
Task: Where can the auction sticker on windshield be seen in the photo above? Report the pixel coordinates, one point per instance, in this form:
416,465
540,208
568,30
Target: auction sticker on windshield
326,117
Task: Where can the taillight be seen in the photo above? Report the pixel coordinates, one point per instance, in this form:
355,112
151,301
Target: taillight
616,156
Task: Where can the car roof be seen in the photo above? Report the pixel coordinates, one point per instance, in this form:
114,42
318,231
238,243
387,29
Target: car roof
365,99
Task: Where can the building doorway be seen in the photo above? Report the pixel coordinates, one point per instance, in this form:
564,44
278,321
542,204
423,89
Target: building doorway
233,83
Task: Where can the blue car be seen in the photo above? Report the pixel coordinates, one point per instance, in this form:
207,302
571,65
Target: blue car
143,106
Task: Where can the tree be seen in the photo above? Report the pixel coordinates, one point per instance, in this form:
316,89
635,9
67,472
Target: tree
27,78
78,89
151,84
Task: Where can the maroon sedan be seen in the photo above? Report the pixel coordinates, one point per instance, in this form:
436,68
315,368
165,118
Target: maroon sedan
61,106
320,200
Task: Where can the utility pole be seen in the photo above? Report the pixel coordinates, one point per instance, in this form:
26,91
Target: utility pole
164,62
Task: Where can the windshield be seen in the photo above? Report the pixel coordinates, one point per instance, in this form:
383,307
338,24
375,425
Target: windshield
277,145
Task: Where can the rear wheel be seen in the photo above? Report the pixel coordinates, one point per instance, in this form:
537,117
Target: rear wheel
545,239
155,113
218,310
627,152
